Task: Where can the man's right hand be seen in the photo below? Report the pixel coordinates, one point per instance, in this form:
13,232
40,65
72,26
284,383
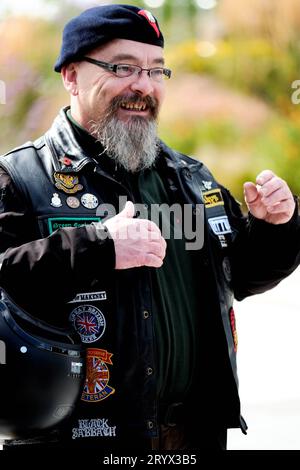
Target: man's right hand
138,242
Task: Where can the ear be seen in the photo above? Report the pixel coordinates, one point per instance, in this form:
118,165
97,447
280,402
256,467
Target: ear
69,77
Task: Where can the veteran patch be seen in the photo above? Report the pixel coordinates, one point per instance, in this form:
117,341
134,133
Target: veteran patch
54,223
96,387
213,198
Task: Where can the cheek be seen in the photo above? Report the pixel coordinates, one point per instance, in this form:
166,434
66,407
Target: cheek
160,95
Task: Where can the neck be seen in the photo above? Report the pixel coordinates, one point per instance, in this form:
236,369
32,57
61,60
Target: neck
79,116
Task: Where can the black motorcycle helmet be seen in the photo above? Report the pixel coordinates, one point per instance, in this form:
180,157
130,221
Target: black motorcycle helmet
41,372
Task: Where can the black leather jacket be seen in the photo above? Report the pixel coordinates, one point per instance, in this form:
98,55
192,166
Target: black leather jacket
57,263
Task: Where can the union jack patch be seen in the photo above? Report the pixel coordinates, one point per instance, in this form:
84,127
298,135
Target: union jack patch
89,322
96,387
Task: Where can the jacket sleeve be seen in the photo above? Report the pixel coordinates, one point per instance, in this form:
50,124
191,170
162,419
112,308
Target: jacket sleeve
262,254
46,271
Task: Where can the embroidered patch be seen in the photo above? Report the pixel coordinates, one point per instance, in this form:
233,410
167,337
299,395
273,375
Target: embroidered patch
213,198
99,427
89,322
151,20
89,297
55,223
96,387
67,183
233,329
220,225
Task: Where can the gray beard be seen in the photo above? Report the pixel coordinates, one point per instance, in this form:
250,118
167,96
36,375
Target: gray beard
132,144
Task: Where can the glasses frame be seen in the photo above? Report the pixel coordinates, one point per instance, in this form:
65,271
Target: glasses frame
138,70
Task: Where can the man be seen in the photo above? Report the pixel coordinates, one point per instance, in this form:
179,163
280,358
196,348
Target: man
153,310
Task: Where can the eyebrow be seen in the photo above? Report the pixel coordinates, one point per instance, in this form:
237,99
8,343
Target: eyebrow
124,56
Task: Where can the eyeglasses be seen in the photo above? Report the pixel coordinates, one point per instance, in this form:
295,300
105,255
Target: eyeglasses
127,70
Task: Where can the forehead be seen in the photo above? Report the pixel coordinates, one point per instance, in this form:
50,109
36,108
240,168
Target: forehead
132,50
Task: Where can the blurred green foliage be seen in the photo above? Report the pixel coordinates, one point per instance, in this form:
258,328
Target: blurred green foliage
253,68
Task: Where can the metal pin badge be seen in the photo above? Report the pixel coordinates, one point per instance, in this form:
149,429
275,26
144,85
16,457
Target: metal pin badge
56,201
73,202
89,201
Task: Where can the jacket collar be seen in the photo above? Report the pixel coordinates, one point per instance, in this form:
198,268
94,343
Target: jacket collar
62,143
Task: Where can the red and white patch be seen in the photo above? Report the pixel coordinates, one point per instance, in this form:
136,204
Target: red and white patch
151,20
233,329
96,387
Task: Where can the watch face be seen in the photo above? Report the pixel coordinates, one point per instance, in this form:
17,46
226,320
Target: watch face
89,201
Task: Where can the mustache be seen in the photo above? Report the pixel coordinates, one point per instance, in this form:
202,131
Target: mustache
133,98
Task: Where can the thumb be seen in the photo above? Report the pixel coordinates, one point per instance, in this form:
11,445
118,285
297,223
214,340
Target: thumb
128,210
251,193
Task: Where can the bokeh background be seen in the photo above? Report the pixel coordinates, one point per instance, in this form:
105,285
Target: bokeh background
232,102
229,102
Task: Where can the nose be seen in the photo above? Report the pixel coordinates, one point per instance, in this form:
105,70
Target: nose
142,84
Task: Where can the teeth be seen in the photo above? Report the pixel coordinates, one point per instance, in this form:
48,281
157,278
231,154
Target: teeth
136,107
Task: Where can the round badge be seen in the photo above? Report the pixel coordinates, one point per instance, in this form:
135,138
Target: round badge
73,202
89,201
89,322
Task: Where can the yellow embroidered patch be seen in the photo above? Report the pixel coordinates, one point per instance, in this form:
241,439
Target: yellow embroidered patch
213,198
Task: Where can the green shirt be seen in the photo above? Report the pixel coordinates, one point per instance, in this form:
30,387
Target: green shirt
175,288
176,312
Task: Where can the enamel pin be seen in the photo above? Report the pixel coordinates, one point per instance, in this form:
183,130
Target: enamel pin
67,183
89,201
56,201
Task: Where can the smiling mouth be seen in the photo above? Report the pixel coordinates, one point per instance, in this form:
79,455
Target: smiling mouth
134,106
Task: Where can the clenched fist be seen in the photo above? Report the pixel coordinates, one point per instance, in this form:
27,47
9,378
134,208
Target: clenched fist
138,242
270,199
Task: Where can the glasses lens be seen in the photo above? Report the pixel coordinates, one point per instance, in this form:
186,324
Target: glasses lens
157,74
124,70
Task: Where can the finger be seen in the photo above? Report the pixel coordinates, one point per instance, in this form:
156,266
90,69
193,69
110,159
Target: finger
276,197
250,193
281,207
152,261
148,225
139,229
274,184
128,210
264,176
158,248
152,226
152,231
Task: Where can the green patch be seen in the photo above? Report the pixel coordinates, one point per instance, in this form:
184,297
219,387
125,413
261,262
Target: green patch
55,223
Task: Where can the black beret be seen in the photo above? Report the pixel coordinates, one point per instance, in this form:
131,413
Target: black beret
102,24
